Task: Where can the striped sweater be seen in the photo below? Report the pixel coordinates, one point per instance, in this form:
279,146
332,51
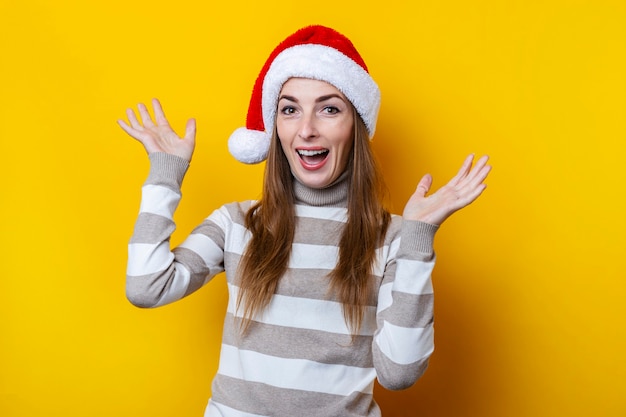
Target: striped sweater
298,357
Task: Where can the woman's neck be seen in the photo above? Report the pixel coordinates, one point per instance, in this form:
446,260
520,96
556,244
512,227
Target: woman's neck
334,195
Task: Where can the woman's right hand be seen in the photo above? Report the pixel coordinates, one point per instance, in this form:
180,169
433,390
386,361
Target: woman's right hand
159,136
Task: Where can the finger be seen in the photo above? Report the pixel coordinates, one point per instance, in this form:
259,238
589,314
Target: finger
159,114
465,168
133,119
190,130
480,164
132,132
145,115
474,194
469,193
480,176
125,126
424,185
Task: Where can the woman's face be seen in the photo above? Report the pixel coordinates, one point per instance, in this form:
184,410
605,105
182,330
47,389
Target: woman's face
315,127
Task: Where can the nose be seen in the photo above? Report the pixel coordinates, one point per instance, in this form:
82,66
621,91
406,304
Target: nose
308,127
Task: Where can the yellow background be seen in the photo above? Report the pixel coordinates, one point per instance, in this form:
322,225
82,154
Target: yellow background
530,310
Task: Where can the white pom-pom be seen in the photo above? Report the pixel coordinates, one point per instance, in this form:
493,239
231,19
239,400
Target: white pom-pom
249,146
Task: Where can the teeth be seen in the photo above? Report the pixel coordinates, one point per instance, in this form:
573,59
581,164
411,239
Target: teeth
305,152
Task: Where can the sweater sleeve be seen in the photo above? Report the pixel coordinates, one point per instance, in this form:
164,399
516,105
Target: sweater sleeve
404,338
157,275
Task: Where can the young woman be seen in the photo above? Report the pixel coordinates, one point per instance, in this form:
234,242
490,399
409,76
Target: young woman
328,291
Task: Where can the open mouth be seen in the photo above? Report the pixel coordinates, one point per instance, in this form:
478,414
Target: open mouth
312,156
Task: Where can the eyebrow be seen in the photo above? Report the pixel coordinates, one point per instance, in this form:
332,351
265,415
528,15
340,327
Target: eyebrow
317,100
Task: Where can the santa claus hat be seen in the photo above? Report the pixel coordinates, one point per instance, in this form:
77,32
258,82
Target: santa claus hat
315,52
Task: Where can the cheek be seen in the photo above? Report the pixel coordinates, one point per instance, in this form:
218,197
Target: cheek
342,155
345,154
346,144
284,150
283,136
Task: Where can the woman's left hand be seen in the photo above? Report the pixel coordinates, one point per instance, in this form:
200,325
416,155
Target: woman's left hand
459,192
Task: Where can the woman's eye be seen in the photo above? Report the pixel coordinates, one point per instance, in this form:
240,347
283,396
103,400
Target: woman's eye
331,110
287,110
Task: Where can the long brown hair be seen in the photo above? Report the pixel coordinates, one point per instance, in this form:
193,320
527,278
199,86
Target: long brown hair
272,223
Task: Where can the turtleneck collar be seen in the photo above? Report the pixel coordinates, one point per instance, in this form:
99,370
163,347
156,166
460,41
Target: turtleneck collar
334,195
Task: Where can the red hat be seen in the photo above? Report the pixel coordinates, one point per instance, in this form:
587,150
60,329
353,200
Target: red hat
315,52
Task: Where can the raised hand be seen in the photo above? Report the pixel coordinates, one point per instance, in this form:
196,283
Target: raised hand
459,192
159,136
